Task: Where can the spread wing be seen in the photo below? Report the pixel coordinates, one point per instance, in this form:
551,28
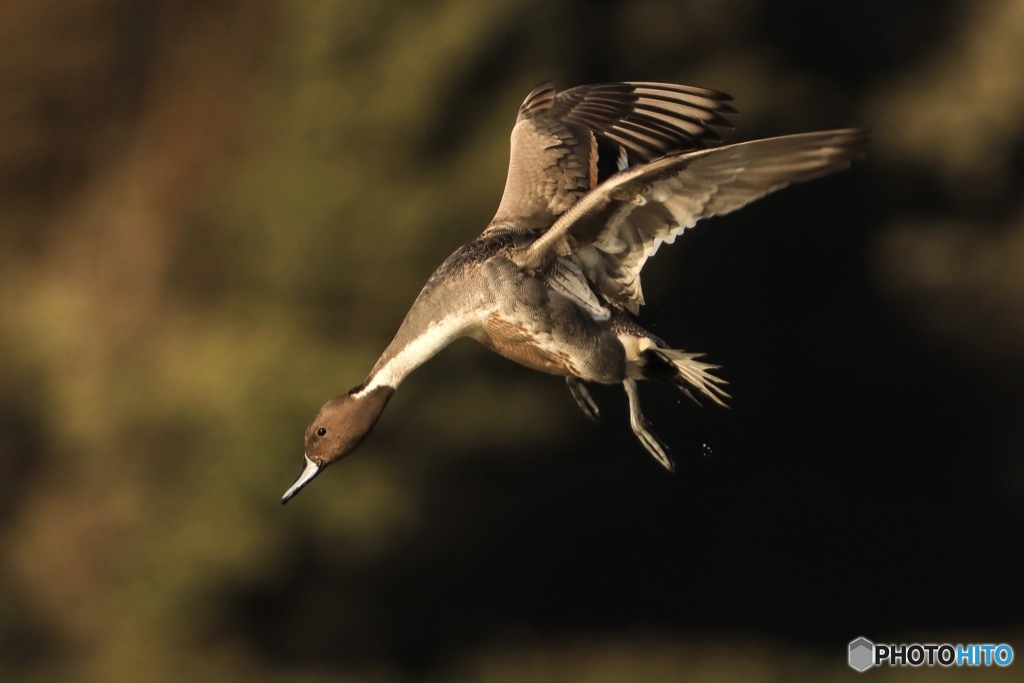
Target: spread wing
612,231
565,143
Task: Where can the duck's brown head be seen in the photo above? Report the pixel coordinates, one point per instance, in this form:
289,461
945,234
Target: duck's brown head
337,429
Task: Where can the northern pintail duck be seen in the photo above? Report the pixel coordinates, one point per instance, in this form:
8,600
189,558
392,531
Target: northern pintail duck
599,177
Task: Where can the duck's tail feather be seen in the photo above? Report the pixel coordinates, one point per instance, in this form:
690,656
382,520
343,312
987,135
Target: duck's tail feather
686,372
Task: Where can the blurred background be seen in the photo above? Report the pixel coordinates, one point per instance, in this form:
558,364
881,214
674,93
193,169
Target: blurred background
215,214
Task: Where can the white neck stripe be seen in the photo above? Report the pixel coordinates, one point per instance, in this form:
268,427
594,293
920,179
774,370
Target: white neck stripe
415,353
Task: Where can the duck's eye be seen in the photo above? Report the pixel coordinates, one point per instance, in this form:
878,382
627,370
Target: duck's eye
321,431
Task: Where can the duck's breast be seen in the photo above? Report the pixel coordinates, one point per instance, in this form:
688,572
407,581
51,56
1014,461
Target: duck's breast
542,329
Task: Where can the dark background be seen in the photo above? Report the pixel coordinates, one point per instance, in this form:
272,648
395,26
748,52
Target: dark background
215,214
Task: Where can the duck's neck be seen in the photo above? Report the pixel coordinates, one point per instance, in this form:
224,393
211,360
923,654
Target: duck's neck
371,404
448,307
410,349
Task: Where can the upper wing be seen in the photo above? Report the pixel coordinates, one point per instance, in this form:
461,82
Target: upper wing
564,144
618,226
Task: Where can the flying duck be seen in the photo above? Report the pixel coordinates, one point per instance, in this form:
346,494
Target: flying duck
600,176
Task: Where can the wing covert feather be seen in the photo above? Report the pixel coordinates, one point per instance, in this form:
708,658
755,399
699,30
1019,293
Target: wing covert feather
559,136
614,229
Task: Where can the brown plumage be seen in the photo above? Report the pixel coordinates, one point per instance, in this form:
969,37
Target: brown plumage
559,138
599,177
614,229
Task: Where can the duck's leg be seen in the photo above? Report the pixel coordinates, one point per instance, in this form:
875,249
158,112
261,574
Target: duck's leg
583,398
638,422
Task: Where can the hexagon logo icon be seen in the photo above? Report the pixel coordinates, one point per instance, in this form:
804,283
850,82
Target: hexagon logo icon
862,654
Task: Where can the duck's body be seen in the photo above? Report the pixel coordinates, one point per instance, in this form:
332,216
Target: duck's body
599,177
480,292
